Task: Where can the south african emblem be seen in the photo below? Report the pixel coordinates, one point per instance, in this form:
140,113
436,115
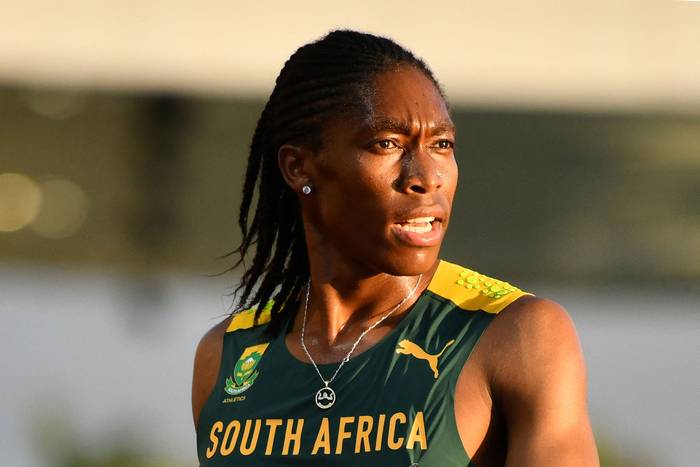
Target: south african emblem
245,372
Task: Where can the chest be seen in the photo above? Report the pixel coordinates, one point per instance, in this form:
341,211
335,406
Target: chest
393,405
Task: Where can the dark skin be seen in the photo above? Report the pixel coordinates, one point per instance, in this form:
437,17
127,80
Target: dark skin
521,398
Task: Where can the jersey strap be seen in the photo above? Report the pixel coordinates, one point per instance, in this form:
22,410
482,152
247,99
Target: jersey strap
472,291
246,319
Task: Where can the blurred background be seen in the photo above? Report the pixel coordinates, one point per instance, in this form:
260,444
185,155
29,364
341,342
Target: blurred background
124,129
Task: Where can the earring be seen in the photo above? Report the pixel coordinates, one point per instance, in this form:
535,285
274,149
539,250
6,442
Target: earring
306,189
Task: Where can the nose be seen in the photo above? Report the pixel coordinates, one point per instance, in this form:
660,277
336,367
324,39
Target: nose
420,173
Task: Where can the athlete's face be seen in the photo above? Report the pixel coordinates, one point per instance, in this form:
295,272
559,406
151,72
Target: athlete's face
384,181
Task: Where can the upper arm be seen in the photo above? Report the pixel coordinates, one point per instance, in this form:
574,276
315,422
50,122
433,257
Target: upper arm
206,367
539,385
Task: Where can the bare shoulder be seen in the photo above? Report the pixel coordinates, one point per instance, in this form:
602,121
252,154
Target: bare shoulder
539,325
535,314
206,366
537,377
532,337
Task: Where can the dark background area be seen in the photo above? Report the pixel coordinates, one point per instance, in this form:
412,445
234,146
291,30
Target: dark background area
577,198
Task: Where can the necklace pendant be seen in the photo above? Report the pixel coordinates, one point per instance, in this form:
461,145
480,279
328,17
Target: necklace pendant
325,397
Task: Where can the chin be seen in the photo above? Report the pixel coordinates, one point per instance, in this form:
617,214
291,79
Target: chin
412,262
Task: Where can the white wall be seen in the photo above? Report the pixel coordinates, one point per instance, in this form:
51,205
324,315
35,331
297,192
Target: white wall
582,55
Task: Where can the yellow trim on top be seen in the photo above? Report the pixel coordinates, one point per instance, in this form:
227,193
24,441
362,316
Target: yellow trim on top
471,290
246,319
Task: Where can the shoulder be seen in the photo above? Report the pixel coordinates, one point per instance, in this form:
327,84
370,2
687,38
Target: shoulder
538,323
207,358
206,365
536,377
535,319
210,344
532,348
525,336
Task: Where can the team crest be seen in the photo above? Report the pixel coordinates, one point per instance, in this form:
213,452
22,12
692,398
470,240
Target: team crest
245,372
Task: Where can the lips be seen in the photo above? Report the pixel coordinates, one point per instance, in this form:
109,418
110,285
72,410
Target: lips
419,230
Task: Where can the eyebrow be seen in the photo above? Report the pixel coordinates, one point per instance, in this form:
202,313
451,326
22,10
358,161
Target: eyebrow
404,127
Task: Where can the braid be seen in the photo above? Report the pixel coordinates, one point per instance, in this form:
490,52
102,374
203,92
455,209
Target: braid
320,80
251,176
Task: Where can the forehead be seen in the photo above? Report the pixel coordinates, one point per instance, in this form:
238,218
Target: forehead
405,94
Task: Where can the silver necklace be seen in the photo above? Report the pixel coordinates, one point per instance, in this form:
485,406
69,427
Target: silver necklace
325,397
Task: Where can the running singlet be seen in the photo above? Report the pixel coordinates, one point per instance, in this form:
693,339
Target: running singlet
394,402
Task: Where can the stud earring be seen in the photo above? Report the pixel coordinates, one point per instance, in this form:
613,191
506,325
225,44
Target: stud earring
306,189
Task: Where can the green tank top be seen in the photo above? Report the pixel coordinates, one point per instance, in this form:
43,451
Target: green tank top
394,401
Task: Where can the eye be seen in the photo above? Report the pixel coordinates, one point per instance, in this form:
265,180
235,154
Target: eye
386,144
445,144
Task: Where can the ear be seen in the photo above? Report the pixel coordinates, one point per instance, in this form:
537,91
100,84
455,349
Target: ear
293,162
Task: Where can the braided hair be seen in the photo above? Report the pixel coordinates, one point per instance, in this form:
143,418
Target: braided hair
319,81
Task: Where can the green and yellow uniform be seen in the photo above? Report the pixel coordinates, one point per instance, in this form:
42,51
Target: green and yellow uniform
395,401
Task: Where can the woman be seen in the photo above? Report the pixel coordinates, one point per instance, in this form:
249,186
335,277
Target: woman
366,350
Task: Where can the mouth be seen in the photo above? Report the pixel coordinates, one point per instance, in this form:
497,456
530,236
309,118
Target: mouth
419,224
419,231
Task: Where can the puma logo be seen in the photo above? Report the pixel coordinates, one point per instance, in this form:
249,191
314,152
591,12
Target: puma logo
407,347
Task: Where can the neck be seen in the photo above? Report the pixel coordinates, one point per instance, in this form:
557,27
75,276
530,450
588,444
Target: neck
347,296
333,312
343,302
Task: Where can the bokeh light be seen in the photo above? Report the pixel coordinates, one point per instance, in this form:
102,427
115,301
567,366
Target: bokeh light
20,201
64,209
54,105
